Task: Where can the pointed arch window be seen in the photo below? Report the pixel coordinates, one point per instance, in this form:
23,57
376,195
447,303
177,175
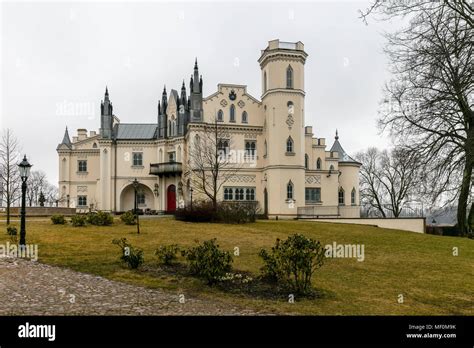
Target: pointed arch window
341,196
223,146
289,190
353,196
289,77
306,161
265,148
289,145
319,164
220,115
232,113
244,117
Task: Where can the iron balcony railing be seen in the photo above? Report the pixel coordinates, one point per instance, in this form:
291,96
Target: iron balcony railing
167,168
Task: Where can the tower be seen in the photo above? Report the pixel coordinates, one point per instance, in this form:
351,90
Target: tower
106,116
195,97
162,117
282,69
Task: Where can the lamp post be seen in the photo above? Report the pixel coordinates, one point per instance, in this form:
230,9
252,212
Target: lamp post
135,187
191,190
25,168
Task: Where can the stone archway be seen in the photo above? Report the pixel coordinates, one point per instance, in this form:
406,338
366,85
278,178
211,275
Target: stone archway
127,198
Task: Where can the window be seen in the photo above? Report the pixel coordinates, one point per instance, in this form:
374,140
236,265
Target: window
223,146
140,198
306,161
341,196
138,158
318,164
220,116
264,82
239,193
353,196
82,201
250,194
250,147
289,190
289,145
232,113
313,195
171,156
291,108
265,148
244,117
94,146
82,166
289,77
331,168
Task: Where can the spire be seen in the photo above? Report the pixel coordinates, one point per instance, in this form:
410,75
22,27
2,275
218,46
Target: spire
183,87
106,93
337,135
66,139
196,64
195,80
164,100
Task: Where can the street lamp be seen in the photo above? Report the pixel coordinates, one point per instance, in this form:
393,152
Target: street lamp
136,184
191,190
25,168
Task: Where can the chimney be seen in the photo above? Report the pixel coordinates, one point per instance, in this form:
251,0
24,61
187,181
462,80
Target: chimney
81,134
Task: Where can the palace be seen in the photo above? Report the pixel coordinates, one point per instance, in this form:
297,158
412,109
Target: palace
290,172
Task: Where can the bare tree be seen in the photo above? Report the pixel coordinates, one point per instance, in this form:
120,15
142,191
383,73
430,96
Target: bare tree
211,161
9,173
388,179
36,184
429,104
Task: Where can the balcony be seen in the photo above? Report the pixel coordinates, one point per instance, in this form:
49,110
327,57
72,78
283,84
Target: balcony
166,169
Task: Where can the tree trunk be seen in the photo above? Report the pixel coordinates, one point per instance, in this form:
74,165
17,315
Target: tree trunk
466,185
470,219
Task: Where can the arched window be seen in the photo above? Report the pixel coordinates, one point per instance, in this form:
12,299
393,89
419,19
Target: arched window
239,194
232,113
353,196
331,168
318,164
264,82
223,146
289,145
169,128
291,108
226,194
94,146
265,148
197,140
289,190
341,196
306,161
220,115
250,194
289,77
244,117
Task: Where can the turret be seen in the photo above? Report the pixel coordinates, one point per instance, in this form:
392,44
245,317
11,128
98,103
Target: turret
106,116
196,95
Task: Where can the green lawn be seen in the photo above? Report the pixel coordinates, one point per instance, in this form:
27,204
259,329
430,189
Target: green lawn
420,267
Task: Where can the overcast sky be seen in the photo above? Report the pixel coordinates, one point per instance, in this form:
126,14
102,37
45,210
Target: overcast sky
55,56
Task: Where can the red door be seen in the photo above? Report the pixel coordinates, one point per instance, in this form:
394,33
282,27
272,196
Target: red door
171,199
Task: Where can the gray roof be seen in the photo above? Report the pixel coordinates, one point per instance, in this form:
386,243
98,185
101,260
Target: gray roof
343,156
66,140
136,131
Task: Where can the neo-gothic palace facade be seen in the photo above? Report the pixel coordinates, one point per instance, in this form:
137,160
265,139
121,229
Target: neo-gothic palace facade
291,172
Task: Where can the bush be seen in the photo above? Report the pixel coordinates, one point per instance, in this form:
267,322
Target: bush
12,230
133,257
208,262
78,220
293,262
202,211
167,254
58,219
237,212
129,218
226,212
100,218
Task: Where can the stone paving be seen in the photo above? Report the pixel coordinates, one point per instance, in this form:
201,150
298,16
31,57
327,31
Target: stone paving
33,288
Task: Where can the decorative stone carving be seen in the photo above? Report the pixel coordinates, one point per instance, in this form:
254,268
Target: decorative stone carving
224,103
82,189
313,179
241,104
290,121
242,178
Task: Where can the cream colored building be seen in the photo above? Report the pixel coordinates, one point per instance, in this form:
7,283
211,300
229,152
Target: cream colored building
291,171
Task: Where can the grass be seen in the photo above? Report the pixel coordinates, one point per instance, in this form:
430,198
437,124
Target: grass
420,267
